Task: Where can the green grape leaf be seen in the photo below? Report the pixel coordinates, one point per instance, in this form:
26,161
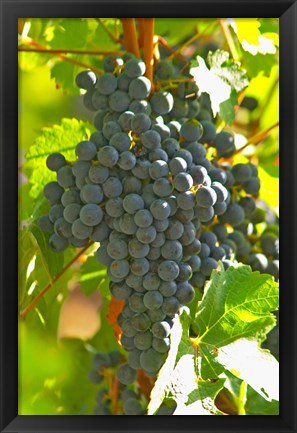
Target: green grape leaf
64,75
101,38
250,37
94,277
260,63
70,33
243,358
223,80
236,303
58,138
257,405
173,31
209,367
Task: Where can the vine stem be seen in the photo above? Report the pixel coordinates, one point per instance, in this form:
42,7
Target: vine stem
32,42
148,47
141,35
257,138
229,39
66,51
130,36
54,280
169,49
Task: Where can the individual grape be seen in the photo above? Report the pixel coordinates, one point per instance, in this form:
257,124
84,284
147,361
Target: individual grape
162,102
100,360
112,187
220,190
140,123
151,281
85,79
153,300
154,253
80,230
56,212
127,160
110,128
182,182
65,177
204,214
95,377
141,322
134,359
128,328
161,345
186,200
162,187
184,216
98,174
71,212
171,146
55,161
208,265
197,151
241,172
206,197
146,235
198,280
91,214
57,243
106,84
170,305
252,186
164,70
114,207
188,235
100,232
141,169
177,165
126,374
151,361
220,231
180,108
132,203
134,68
193,248
99,101
127,224
161,329
160,209
185,271
172,250
143,340
174,128
91,194
209,132
218,175
150,139
45,224
204,251
125,120
143,218
127,342
117,249
119,268
140,88
120,141
53,192
120,291
234,215
209,238
270,244
140,266
162,130
108,156
248,204
137,249
191,130
77,243
195,262
168,288
224,144
119,101
185,293
131,184
175,229
158,169
186,89
86,150
220,208
258,262
136,303
123,82
140,106
168,270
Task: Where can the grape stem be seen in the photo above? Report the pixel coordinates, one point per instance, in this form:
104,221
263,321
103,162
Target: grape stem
32,304
68,51
229,39
130,36
32,42
148,47
257,138
141,32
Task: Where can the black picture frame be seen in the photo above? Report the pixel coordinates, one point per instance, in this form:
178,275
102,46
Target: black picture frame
10,11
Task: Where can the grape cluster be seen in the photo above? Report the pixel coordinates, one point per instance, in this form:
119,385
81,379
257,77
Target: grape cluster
144,186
